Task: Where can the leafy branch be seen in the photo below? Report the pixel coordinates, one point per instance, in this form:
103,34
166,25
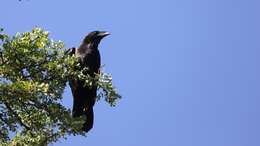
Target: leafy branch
34,71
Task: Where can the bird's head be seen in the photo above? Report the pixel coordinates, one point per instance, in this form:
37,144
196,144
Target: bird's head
95,37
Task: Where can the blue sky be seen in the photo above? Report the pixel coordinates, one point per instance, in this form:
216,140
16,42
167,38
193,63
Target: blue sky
188,70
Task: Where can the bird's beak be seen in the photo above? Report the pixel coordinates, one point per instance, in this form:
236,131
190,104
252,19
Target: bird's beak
103,34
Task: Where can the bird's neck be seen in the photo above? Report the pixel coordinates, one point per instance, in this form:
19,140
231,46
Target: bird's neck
84,47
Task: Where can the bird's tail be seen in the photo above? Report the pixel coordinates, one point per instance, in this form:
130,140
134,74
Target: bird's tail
90,119
79,109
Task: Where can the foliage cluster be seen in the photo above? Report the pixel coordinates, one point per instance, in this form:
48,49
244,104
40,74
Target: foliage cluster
34,71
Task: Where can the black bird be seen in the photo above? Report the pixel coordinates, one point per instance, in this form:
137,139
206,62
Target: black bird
84,97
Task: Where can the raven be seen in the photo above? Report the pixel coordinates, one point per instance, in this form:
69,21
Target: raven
84,97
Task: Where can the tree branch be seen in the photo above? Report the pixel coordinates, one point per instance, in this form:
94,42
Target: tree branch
17,116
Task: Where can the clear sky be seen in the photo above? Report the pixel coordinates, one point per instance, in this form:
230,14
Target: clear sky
188,70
